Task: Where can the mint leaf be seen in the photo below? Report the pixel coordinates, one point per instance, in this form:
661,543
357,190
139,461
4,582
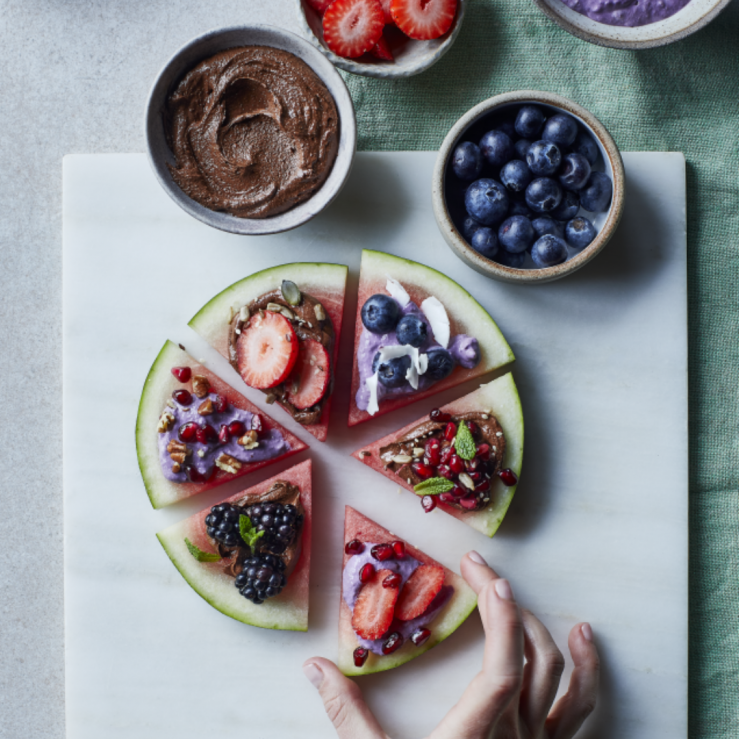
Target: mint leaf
464,443
200,555
248,533
433,486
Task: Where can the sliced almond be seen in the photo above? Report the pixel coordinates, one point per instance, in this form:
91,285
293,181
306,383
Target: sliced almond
402,459
466,480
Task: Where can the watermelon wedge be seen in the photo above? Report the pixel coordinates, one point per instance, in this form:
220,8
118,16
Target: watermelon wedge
325,283
289,609
498,398
158,389
456,608
458,313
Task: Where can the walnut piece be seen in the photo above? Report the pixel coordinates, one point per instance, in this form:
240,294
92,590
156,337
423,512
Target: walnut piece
200,385
166,421
249,440
206,407
178,451
227,463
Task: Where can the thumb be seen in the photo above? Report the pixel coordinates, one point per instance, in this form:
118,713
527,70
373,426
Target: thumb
343,701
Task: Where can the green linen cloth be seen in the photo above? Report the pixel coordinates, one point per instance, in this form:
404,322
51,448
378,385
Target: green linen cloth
681,97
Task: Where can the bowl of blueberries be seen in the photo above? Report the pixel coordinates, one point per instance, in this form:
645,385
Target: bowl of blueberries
528,187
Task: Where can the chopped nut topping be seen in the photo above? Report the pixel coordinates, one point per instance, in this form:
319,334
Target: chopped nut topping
227,463
485,416
170,403
320,313
402,459
270,399
284,310
244,314
417,451
178,451
166,421
178,458
176,467
466,480
499,433
249,440
205,408
201,453
200,385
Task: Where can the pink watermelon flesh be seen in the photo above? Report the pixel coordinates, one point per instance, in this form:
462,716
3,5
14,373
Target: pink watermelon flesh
460,605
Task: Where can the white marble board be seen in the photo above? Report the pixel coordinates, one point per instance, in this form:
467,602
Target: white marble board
597,530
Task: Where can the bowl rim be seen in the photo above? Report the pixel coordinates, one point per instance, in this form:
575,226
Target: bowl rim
381,71
487,266
173,70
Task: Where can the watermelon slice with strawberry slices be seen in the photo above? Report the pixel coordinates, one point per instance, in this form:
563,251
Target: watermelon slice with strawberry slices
376,611
174,371
266,353
194,555
465,316
500,400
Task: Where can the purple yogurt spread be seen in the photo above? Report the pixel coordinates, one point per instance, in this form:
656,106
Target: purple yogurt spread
405,567
271,442
626,12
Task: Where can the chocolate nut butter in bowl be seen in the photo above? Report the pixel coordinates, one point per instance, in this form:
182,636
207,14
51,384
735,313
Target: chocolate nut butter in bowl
250,130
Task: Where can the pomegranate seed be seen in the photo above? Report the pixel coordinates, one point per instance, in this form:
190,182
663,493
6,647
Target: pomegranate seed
471,464
183,397
205,434
433,451
392,581
443,471
458,491
237,428
450,431
194,476
508,476
420,636
183,374
393,642
224,435
469,502
256,423
220,403
422,470
483,486
447,498
354,547
382,552
483,451
399,549
366,573
472,426
428,502
360,656
446,454
456,464
188,431
440,416
476,477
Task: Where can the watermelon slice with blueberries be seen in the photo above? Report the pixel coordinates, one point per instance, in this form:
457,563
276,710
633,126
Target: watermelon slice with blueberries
279,328
469,472
194,432
233,553
396,601
417,332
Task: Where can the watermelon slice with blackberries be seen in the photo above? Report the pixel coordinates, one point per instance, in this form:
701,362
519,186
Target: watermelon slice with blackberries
376,608
197,557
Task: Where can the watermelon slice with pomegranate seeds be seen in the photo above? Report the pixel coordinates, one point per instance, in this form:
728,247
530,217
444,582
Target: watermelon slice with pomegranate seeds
445,306
187,543
459,601
221,319
190,377
500,400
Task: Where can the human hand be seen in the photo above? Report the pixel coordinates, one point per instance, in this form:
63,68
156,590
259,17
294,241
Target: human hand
510,698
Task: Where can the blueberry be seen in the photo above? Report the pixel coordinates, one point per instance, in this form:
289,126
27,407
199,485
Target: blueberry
543,195
569,206
596,195
529,121
516,234
543,158
574,172
486,201
467,161
485,242
585,145
508,128
497,148
469,226
411,330
560,129
548,251
579,232
515,175
391,373
510,260
441,363
522,146
547,225
380,314
519,208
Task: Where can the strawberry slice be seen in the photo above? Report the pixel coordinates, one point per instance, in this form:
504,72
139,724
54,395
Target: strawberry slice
381,50
319,6
310,377
418,592
267,350
352,27
386,10
373,611
424,19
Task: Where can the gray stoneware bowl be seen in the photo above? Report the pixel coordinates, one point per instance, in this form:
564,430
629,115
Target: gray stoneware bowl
691,18
411,57
481,118
209,44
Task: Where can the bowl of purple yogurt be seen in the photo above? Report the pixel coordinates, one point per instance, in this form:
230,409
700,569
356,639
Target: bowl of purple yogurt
632,24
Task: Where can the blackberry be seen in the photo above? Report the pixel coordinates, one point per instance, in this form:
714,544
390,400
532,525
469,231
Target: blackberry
222,525
262,577
279,522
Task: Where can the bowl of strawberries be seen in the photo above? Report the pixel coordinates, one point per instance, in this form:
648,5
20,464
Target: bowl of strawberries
382,38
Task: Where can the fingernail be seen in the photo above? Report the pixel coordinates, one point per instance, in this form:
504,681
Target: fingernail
475,557
587,632
503,589
314,673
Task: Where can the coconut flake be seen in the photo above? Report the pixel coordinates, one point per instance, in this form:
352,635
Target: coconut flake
437,316
398,292
373,406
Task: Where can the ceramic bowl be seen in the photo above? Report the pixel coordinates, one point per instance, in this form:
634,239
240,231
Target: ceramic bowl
691,18
411,57
447,190
208,45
